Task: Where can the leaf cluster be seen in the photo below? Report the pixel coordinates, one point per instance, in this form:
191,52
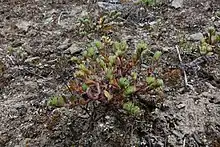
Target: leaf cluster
108,74
208,44
103,24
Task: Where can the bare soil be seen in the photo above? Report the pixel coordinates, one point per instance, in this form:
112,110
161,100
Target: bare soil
35,41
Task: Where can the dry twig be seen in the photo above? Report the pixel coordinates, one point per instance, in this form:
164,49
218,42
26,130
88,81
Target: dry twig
186,84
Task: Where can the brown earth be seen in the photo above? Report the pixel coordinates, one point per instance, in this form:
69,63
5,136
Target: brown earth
37,40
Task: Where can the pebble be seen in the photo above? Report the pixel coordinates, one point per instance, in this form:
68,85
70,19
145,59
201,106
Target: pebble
177,3
29,60
217,24
73,49
181,106
196,37
24,25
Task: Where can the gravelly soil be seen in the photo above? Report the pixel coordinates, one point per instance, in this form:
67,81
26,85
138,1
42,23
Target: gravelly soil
35,41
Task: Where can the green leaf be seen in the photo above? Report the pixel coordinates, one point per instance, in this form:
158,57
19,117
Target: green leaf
150,80
120,46
129,90
116,46
124,46
134,75
98,44
56,101
136,110
123,82
119,53
211,31
79,74
90,52
85,54
75,59
85,87
109,73
157,55
160,83
131,108
83,68
112,60
101,63
140,48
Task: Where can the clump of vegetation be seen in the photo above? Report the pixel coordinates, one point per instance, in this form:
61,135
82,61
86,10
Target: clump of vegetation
131,108
108,73
103,24
208,44
56,101
212,37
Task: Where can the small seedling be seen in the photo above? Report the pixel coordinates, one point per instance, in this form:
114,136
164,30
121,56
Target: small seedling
131,108
88,25
56,101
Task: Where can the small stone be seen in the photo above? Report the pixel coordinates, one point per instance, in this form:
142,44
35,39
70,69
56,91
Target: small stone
181,106
196,37
217,24
66,44
24,25
167,49
207,6
177,3
30,60
73,49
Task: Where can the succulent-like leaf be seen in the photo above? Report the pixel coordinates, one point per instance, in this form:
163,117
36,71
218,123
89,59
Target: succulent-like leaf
101,63
141,46
157,55
131,108
83,68
90,52
98,44
56,101
85,54
160,83
134,75
123,82
108,95
112,60
150,80
75,59
84,87
211,31
123,46
205,48
119,53
109,73
129,90
117,46
79,74
120,46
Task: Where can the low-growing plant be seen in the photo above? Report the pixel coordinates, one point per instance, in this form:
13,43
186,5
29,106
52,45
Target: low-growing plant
131,108
107,73
212,37
56,101
103,24
208,44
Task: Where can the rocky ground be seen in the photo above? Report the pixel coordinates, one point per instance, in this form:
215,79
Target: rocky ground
37,40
